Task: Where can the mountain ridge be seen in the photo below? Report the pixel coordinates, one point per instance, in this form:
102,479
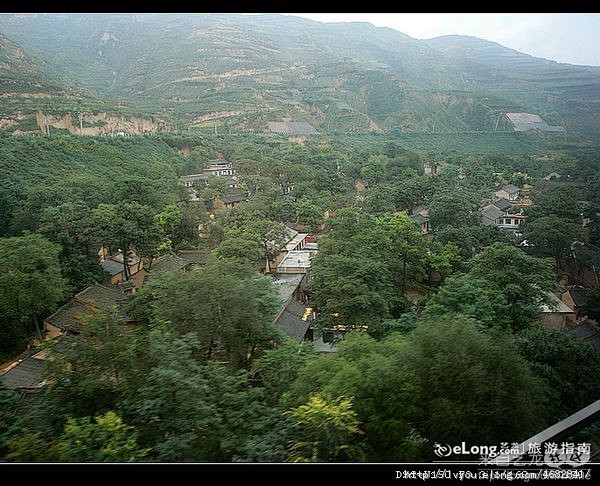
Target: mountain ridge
242,71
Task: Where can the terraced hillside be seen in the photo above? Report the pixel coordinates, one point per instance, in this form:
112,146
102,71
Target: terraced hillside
555,89
242,72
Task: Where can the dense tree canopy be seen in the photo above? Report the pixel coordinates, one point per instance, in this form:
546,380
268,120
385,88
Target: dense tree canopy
31,286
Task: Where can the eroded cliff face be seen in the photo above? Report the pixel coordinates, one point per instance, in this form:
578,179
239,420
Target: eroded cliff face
99,123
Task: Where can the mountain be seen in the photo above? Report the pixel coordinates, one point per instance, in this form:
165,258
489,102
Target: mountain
244,71
26,83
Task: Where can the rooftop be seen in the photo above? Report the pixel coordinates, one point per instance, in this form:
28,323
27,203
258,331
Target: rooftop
101,297
114,264
95,298
234,196
193,177
193,256
491,212
287,284
588,332
296,128
561,307
578,294
502,203
168,264
111,267
296,259
295,241
27,374
291,323
68,317
511,189
419,218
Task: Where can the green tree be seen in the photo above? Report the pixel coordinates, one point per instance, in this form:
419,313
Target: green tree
569,367
470,383
127,225
551,236
521,279
591,304
558,202
308,213
191,412
278,368
91,371
9,403
408,253
323,431
242,246
228,306
69,226
385,395
31,286
374,170
105,439
457,207
470,297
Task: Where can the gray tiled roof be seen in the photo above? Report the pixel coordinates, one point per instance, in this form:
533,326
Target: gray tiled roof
419,218
27,374
503,204
588,332
101,297
111,267
168,264
194,256
290,320
67,318
96,297
491,212
193,177
234,196
578,294
511,189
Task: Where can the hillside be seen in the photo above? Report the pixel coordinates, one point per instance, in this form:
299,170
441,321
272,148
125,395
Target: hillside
555,90
28,83
241,72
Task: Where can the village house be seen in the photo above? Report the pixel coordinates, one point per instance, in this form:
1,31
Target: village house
575,297
184,260
433,168
95,298
420,215
294,318
189,180
509,192
215,168
558,315
229,200
218,167
25,374
294,241
115,271
502,213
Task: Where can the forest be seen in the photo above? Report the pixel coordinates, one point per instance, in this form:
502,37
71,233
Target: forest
440,333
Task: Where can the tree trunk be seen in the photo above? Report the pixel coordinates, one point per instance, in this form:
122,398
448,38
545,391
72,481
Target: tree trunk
404,274
37,328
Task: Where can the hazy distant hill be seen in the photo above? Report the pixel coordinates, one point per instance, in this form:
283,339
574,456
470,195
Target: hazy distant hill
244,71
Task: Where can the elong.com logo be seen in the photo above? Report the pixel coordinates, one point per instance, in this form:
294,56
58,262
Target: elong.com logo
445,450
